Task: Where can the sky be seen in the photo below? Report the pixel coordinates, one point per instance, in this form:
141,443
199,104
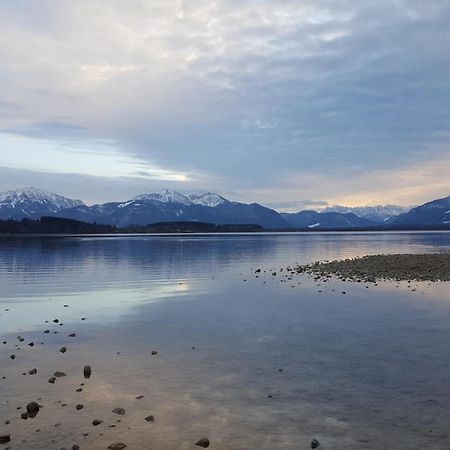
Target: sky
290,103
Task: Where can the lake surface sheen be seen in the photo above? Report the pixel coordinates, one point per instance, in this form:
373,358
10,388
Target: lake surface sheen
250,362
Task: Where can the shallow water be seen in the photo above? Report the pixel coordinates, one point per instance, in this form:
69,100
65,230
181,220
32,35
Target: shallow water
364,369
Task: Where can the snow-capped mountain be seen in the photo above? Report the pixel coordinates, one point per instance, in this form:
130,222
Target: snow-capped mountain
378,214
434,213
32,202
170,206
334,220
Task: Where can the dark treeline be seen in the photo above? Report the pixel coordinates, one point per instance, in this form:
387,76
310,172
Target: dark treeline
54,225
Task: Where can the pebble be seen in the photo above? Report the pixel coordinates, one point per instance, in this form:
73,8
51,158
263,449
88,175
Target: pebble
63,349
119,411
52,380
87,371
203,442
150,418
96,422
32,371
5,438
59,374
33,409
116,446
315,443
79,406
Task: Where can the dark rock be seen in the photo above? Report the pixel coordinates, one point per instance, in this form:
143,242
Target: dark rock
87,371
58,374
117,446
203,442
24,416
52,380
154,352
119,411
315,443
63,349
96,422
32,409
75,447
5,438
13,356
72,335
32,371
79,406
150,418
139,397
31,344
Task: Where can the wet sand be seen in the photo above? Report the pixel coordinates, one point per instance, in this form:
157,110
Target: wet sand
399,267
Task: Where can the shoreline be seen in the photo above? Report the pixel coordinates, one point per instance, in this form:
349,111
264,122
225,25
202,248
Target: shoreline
399,267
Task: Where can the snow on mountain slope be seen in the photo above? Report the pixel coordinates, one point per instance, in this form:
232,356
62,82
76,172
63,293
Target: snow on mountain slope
207,199
33,202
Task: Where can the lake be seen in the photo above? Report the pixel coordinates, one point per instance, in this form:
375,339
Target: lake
250,361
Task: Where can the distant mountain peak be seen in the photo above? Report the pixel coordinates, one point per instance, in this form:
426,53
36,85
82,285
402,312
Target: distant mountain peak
168,196
33,202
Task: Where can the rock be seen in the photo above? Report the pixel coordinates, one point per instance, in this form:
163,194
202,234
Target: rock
55,320
150,418
52,380
79,406
79,389
58,374
96,422
32,371
154,352
75,447
116,446
31,344
87,371
5,438
138,397
203,442
72,335
32,409
24,416
63,349
119,411
13,356
315,443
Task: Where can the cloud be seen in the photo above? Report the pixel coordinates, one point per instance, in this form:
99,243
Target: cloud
236,95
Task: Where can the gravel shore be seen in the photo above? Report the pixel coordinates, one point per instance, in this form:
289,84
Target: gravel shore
419,267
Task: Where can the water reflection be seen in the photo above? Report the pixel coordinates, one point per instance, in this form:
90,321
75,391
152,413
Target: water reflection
250,364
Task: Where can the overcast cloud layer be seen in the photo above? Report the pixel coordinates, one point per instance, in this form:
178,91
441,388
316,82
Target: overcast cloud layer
288,103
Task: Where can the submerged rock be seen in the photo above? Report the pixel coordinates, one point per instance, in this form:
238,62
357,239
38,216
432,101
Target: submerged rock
203,442
116,446
33,409
87,371
5,438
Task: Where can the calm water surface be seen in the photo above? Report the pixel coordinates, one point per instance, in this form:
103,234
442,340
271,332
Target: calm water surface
250,362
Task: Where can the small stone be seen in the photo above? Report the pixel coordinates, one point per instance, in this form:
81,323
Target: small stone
24,416
75,447
32,371
31,344
32,409
119,411
116,446
52,380
55,320
315,443
203,442
63,349
150,418
72,335
13,356
96,422
79,406
139,397
58,374
154,352
79,389
5,438
87,371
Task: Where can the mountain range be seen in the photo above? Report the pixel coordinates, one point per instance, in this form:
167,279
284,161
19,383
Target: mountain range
171,206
